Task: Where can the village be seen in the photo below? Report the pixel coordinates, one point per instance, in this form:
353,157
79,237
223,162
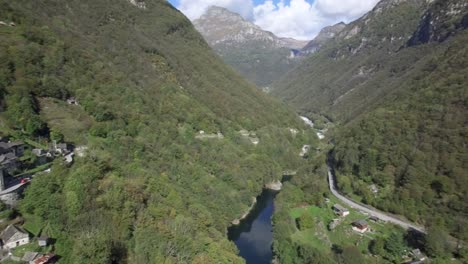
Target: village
20,163
337,225
362,226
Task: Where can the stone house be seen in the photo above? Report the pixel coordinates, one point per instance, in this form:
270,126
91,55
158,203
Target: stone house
43,241
360,226
29,257
340,210
9,162
14,236
16,148
60,148
41,155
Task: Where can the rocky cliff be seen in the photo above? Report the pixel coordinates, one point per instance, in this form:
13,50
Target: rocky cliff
256,54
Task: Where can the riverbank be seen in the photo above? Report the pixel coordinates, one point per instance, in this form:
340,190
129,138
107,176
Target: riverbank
253,235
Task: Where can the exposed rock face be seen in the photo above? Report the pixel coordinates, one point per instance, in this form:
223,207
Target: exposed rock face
341,72
322,38
293,43
258,55
275,186
443,19
138,3
221,26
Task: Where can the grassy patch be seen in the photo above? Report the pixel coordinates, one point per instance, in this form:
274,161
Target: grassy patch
35,170
321,238
35,144
32,246
71,120
32,225
309,237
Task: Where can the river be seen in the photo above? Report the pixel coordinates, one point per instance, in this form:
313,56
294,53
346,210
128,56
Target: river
254,235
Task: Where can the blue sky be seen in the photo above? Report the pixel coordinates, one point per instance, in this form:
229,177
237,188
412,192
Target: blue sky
300,19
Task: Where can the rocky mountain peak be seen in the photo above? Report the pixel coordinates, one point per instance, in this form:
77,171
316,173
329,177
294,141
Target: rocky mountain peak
325,34
221,26
217,11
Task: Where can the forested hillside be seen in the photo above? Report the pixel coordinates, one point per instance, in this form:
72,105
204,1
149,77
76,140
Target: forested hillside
353,71
396,82
150,189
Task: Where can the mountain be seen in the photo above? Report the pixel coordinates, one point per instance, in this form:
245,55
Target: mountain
344,79
326,34
395,83
147,185
258,55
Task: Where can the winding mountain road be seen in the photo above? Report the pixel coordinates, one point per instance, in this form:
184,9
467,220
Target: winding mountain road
361,207
370,210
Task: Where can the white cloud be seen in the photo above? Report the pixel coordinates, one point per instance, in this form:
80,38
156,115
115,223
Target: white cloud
195,8
299,19
348,8
303,20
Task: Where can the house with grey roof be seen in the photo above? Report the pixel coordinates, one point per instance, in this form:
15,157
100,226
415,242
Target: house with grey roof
9,162
43,241
60,148
340,210
41,155
13,236
17,148
29,256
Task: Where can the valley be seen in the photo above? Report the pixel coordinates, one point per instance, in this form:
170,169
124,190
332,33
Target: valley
131,134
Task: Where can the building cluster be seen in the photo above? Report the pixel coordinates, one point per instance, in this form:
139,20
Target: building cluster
362,226
12,163
10,152
14,236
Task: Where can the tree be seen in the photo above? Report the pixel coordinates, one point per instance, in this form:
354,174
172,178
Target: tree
395,244
311,255
352,255
435,242
306,221
377,246
56,135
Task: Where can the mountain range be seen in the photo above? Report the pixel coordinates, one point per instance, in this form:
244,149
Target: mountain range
154,185
256,54
176,141
395,82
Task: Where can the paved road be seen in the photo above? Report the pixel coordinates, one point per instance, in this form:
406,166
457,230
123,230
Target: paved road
368,209
13,188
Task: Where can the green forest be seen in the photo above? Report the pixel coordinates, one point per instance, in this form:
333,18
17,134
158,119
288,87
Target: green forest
147,190
399,107
154,185
414,147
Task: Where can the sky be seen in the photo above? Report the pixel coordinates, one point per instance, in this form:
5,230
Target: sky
300,19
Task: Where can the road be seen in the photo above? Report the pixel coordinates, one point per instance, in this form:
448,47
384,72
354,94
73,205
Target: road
370,210
13,188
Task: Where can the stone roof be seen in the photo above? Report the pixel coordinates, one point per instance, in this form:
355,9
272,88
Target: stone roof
7,158
9,145
10,231
340,208
360,223
43,238
30,256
